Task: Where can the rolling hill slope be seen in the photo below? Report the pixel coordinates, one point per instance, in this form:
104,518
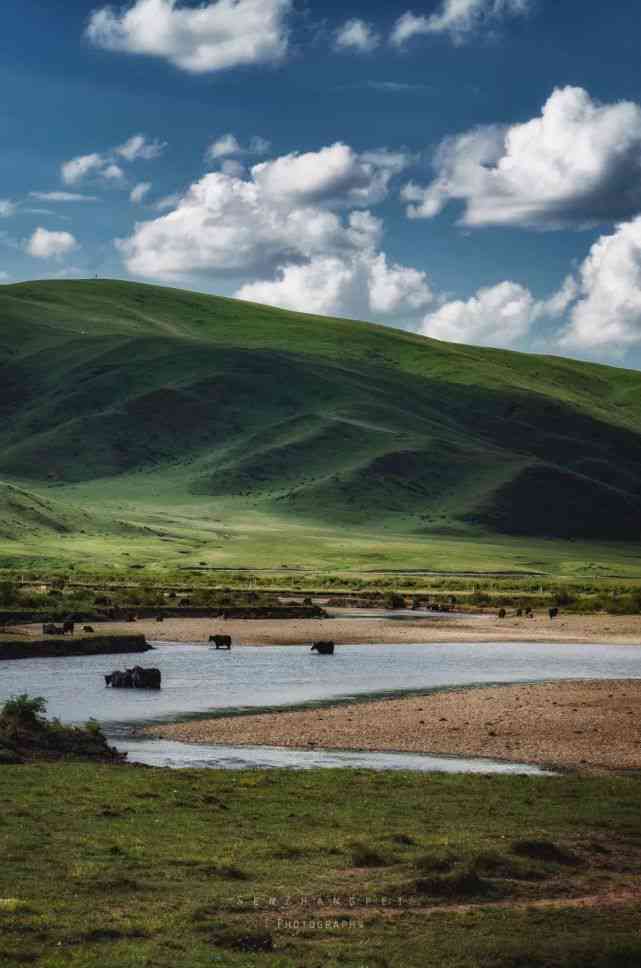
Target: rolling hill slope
317,422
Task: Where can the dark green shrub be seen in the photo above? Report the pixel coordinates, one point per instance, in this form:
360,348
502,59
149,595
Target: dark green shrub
8,594
394,601
25,710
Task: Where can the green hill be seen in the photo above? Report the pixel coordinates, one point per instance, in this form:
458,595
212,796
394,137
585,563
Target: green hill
189,424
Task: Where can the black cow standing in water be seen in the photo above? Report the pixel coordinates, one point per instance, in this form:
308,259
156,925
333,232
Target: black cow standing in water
323,648
136,678
221,641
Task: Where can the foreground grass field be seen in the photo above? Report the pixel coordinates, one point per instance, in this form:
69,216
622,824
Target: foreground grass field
154,426
115,867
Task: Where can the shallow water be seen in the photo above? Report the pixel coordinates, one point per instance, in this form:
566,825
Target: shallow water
180,756
197,679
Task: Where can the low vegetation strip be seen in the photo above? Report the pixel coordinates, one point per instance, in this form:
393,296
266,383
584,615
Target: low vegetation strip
105,865
86,645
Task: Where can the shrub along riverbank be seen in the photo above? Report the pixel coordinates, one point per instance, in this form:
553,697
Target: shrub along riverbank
25,735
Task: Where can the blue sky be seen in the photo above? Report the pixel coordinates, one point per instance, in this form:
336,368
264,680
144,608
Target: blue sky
470,169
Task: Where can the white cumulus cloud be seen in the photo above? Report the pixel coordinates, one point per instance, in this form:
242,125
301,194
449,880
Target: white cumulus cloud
228,145
458,18
281,231
226,224
7,207
139,192
108,165
224,146
578,163
113,172
211,37
139,147
499,315
335,175
361,285
356,34
44,244
78,168
607,314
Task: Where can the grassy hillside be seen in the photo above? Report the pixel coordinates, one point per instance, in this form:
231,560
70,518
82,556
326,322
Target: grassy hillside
185,423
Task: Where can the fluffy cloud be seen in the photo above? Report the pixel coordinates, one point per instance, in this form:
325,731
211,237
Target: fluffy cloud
357,35
211,37
578,163
138,193
607,315
407,26
281,230
360,285
44,244
497,316
228,145
139,148
7,207
62,197
458,18
333,176
78,168
108,165
225,224
113,172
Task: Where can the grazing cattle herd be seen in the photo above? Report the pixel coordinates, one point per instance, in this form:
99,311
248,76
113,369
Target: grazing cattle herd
139,678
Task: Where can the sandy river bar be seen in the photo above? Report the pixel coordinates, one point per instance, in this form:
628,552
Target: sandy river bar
584,725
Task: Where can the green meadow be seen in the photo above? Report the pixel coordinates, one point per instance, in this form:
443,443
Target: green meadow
109,865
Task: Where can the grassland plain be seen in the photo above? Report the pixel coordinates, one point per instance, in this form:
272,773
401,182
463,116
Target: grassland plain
151,425
120,866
